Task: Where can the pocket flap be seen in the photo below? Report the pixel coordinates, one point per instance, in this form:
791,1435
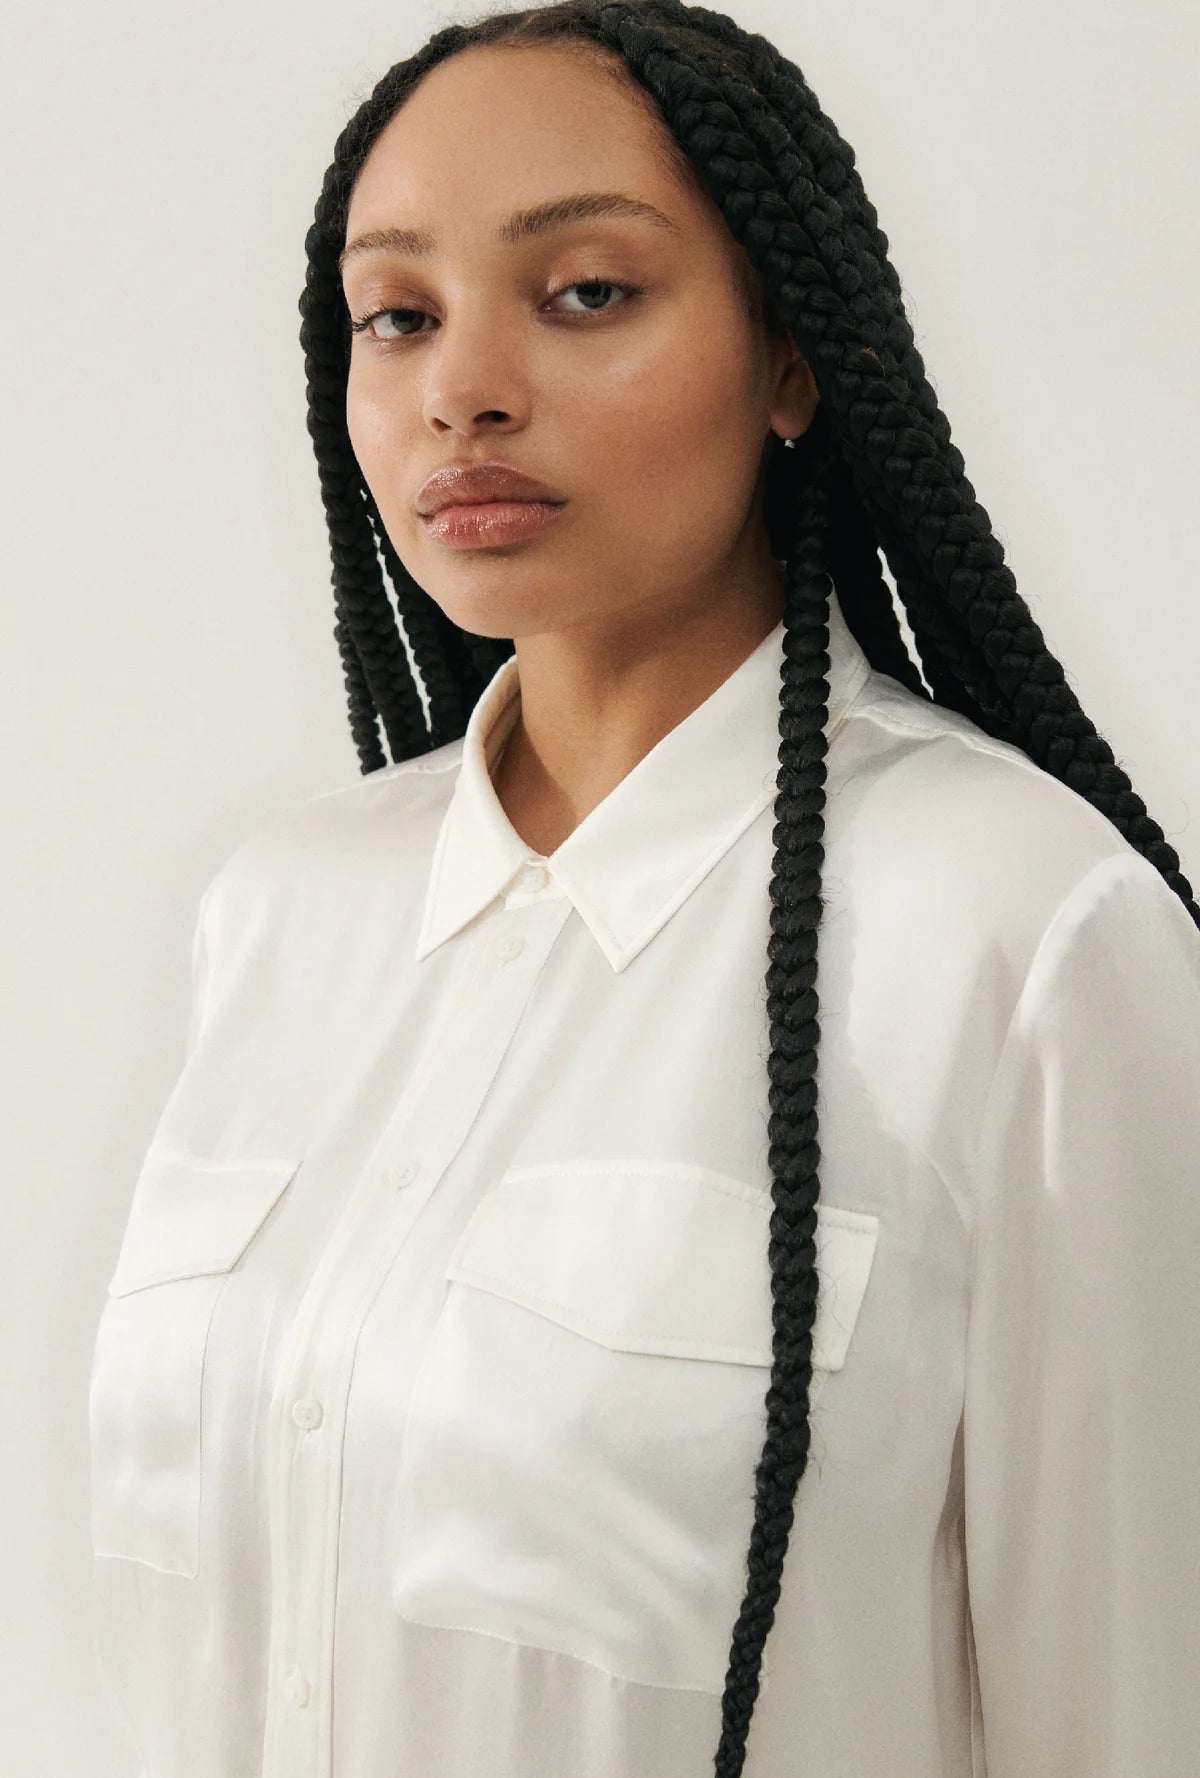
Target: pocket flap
189,1216
646,1257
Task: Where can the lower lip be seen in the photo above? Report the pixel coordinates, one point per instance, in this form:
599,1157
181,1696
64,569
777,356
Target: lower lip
494,522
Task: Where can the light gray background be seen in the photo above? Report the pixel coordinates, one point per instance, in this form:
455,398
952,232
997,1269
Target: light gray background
172,678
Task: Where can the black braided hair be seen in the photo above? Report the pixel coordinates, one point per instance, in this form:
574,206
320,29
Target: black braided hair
875,471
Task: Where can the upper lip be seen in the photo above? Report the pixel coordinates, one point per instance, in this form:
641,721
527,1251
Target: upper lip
459,484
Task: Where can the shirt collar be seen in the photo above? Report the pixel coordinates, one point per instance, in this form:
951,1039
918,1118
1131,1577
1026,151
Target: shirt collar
640,852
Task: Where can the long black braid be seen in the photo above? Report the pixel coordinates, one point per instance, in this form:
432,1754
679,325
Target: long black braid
875,472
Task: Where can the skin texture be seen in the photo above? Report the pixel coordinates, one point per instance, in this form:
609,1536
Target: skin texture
652,414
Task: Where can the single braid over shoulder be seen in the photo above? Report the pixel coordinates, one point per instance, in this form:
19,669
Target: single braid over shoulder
875,475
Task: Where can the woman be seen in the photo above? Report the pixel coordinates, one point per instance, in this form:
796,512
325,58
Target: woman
499,1376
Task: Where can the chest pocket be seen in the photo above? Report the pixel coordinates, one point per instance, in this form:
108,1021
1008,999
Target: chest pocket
578,1465
190,1221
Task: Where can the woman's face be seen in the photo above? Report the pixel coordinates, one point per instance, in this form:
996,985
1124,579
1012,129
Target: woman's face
650,414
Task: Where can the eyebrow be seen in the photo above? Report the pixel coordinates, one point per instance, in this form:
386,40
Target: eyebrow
582,206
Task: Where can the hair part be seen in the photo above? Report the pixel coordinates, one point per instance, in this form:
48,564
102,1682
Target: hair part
875,472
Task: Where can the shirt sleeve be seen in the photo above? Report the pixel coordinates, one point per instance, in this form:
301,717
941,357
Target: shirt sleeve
1081,1418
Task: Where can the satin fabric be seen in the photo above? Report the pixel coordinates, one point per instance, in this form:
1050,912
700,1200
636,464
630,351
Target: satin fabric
429,1389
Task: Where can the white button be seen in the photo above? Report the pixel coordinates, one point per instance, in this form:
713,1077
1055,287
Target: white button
402,1176
534,877
306,1413
296,1688
508,948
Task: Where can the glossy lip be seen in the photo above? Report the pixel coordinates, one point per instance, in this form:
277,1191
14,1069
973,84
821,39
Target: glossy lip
490,524
474,484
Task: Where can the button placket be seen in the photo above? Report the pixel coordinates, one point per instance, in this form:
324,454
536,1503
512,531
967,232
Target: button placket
410,1157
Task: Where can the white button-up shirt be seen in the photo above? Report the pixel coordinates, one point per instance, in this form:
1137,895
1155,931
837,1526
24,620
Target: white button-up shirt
429,1387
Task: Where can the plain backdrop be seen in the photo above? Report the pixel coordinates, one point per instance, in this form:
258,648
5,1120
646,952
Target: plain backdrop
171,678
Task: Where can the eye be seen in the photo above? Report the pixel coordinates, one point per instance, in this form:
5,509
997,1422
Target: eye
594,285
599,284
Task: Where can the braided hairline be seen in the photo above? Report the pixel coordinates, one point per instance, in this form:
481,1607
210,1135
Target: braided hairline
389,94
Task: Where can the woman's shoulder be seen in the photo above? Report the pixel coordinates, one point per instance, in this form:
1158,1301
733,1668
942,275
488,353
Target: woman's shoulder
365,830
966,831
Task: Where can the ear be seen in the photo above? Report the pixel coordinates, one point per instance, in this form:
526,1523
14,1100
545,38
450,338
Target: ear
796,394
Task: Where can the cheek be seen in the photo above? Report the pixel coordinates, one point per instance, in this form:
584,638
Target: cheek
674,426
370,419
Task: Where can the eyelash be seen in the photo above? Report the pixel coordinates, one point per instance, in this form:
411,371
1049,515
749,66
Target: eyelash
631,291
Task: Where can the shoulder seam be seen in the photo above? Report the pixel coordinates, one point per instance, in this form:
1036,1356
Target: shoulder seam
401,768
974,738
387,774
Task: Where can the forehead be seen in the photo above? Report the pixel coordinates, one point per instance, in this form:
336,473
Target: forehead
493,128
